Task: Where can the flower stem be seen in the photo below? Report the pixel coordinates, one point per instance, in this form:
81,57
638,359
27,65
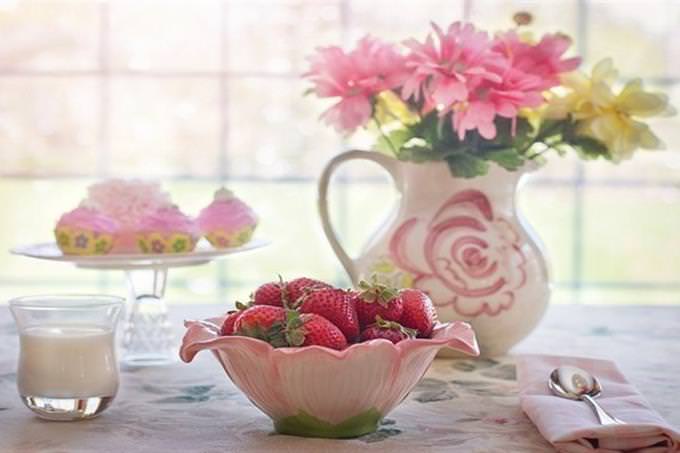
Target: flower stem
543,137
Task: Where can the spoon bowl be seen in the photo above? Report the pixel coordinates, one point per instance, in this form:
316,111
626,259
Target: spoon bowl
572,383
576,384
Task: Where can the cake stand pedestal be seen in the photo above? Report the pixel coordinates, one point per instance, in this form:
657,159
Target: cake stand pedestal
147,336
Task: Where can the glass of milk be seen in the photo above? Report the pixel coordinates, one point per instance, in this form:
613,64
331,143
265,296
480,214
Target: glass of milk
67,359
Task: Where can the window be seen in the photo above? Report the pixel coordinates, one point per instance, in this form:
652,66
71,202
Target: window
201,93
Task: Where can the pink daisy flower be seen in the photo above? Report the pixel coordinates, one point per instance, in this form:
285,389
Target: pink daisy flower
445,71
490,100
543,59
354,78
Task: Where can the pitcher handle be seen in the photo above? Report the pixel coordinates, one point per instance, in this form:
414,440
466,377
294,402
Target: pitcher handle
388,163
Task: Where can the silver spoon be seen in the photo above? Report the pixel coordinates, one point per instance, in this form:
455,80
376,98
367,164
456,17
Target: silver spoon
577,384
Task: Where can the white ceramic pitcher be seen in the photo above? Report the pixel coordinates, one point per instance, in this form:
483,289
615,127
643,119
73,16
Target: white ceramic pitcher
461,240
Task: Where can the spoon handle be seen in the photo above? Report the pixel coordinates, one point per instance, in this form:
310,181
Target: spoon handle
602,415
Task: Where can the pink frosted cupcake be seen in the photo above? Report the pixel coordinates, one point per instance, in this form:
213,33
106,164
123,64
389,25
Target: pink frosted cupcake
85,231
227,221
166,230
127,201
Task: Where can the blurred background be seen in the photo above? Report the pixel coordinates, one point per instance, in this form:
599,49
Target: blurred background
208,92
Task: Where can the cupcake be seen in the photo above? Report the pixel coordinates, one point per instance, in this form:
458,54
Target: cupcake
227,221
166,230
128,202
85,231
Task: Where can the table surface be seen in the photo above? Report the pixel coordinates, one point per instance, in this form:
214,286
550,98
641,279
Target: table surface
461,405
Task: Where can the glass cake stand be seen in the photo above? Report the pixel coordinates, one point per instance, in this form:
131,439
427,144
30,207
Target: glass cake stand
147,333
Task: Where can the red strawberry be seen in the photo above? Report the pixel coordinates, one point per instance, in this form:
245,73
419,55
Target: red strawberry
232,317
269,294
261,321
296,288
310,329
229,321
336,306
419,312
375,300
389,330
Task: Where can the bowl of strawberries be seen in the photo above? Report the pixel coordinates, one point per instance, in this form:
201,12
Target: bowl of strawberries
322,361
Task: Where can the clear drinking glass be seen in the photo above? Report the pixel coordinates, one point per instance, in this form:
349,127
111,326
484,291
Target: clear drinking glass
67,359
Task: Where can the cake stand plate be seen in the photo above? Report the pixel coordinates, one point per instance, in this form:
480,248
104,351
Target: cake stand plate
148,338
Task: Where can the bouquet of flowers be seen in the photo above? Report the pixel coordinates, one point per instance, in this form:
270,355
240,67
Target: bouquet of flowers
466,98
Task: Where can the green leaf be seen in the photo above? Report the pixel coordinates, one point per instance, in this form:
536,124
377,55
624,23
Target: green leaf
507,158
293,319
550,128
395,138
586,147
377,292
295,337
589,148
466,165
419,154
432,130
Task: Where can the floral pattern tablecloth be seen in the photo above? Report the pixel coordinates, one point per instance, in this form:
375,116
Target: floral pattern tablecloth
461,405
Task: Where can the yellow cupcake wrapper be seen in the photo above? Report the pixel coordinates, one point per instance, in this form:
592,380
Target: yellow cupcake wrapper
75,241
155,243
222,239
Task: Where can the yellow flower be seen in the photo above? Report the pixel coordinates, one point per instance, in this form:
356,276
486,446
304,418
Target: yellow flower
611,118
389,108
533,115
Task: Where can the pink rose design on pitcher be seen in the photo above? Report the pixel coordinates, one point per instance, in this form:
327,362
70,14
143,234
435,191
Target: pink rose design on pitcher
468,259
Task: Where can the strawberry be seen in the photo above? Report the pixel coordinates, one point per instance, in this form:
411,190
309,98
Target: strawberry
232,317
309,329
261,321
375,300
388,330
229,321
269,294
336,306
298,287
419,312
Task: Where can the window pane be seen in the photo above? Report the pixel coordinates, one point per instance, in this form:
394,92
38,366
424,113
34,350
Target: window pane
631,235
165,35
409,19
169,125
276,37
651,295
275,131
549,211
634,33
48,125
49,35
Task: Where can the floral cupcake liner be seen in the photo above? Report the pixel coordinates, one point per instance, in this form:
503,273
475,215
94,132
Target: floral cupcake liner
75,241
228,239
156,243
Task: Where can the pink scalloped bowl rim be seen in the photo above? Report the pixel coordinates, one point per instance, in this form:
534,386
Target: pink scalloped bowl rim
201,335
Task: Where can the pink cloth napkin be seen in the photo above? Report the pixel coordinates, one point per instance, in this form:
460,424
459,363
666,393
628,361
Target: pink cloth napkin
571,426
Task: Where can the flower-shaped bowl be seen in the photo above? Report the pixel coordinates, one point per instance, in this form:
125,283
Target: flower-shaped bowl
315,391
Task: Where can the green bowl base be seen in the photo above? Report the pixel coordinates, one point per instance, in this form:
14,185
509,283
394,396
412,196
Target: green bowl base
306,425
